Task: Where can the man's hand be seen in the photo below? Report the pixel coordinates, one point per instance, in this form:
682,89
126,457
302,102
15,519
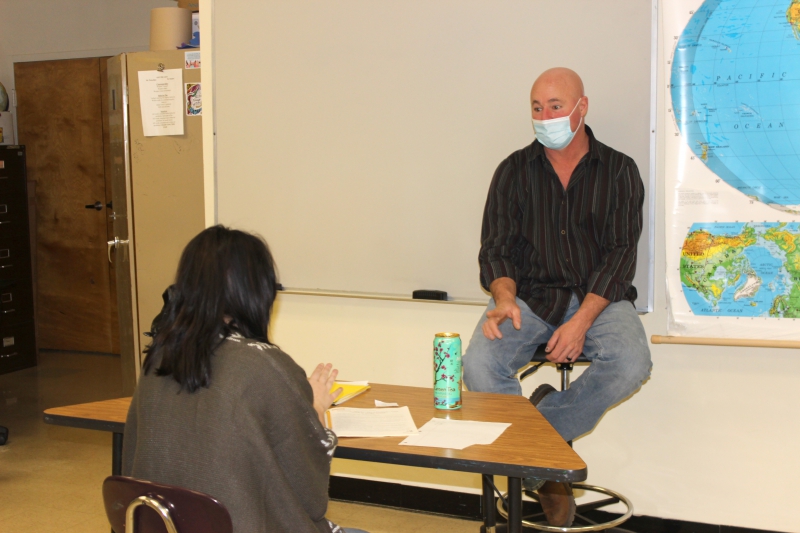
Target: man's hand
321,381
567,341
504,292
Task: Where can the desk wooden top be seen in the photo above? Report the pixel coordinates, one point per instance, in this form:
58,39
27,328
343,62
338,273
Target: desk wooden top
530,447
107,415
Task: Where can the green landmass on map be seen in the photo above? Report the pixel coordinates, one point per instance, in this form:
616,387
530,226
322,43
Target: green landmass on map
793,16
704,254
713,263
787,305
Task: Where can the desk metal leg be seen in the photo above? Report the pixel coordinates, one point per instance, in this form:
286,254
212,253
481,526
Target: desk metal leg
487,503
514,505
116,455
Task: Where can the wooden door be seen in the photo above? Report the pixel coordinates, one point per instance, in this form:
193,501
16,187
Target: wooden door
60,120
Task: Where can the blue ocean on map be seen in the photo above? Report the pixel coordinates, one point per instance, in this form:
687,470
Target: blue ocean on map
763,260
735,87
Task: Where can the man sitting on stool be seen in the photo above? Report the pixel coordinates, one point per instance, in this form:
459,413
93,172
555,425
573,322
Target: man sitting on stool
558,253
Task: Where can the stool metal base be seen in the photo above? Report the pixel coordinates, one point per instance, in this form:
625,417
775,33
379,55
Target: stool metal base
614,497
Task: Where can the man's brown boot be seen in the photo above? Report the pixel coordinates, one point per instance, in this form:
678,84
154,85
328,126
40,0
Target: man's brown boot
558,503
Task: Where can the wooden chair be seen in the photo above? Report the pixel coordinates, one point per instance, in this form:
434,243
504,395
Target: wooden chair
135,506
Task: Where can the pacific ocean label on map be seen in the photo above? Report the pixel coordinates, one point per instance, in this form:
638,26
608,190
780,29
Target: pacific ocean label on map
735,87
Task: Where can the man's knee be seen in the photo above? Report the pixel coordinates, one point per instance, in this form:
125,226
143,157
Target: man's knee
641,363
476,366
635,362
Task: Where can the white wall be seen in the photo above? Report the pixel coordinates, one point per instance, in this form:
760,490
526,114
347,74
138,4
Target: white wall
711,437
37,30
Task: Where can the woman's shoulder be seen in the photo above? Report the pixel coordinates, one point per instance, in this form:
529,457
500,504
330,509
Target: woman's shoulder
257,354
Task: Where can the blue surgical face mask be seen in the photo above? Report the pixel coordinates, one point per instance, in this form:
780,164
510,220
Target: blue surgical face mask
556,133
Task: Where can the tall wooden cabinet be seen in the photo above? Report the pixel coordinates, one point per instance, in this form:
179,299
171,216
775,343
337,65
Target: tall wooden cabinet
17,334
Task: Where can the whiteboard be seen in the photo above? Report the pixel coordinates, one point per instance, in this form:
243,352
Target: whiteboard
359,137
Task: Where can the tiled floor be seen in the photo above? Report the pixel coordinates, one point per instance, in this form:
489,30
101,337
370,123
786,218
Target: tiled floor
50,476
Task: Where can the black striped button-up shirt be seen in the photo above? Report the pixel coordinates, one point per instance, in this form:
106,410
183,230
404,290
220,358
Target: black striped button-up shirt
554,242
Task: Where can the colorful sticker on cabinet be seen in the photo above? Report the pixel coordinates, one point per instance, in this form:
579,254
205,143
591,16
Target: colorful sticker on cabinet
194,100
191,60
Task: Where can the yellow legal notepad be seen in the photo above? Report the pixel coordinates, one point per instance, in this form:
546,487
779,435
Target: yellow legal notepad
350,389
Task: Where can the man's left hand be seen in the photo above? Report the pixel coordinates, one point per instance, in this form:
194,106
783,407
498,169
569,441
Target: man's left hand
566,344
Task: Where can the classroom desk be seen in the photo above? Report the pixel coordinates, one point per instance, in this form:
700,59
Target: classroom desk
530,447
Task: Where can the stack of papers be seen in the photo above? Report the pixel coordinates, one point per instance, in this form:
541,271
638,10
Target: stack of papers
383,422
455,434
350,389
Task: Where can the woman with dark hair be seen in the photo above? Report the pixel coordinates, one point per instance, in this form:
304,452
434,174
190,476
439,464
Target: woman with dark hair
220,409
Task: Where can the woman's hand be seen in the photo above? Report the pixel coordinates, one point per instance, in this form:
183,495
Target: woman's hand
321,381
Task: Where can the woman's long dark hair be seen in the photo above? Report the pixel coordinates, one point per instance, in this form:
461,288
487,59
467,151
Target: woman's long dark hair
223,274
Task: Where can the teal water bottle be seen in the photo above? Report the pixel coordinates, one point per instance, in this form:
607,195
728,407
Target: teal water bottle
447,371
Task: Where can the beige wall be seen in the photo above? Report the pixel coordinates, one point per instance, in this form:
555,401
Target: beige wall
37,30
709,438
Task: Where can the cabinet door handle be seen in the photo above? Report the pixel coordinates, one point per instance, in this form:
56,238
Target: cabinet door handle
12,354
6,266
5,222
6,311
115,244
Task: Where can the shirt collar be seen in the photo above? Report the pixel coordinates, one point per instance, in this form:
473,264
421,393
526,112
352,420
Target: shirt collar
537,150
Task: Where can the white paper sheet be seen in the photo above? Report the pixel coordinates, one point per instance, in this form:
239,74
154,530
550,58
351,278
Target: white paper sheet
379,403
161,97
455,434
384,422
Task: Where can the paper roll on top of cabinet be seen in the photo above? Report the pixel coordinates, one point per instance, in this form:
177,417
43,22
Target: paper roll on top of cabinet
169,27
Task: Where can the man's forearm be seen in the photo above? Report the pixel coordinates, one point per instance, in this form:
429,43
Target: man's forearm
503,289
590,309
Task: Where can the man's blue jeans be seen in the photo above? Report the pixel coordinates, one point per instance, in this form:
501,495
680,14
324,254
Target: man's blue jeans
616,344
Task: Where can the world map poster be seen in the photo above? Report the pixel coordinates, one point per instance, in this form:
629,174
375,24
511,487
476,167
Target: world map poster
732,147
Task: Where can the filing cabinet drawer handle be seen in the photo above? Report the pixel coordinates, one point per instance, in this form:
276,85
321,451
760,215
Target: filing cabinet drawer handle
12,354
6,311
5,222
6,266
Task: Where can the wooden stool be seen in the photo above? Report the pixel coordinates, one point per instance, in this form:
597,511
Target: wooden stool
536,521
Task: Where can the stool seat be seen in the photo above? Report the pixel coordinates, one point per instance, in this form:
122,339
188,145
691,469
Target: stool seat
541,356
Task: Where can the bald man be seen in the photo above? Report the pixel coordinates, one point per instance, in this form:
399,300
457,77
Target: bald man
558,253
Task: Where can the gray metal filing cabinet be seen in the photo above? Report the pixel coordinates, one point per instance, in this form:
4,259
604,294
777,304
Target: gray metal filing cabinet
17,333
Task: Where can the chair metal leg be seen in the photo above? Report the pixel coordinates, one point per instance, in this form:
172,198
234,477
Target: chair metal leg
116,455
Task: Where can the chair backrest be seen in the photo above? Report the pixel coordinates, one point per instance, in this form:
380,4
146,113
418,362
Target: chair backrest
158,508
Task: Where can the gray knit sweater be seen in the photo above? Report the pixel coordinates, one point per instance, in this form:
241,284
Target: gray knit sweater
251,439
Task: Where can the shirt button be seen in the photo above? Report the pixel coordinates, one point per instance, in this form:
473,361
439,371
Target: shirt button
563,232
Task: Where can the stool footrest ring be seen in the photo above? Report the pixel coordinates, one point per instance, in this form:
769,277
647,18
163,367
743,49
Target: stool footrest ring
614,498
